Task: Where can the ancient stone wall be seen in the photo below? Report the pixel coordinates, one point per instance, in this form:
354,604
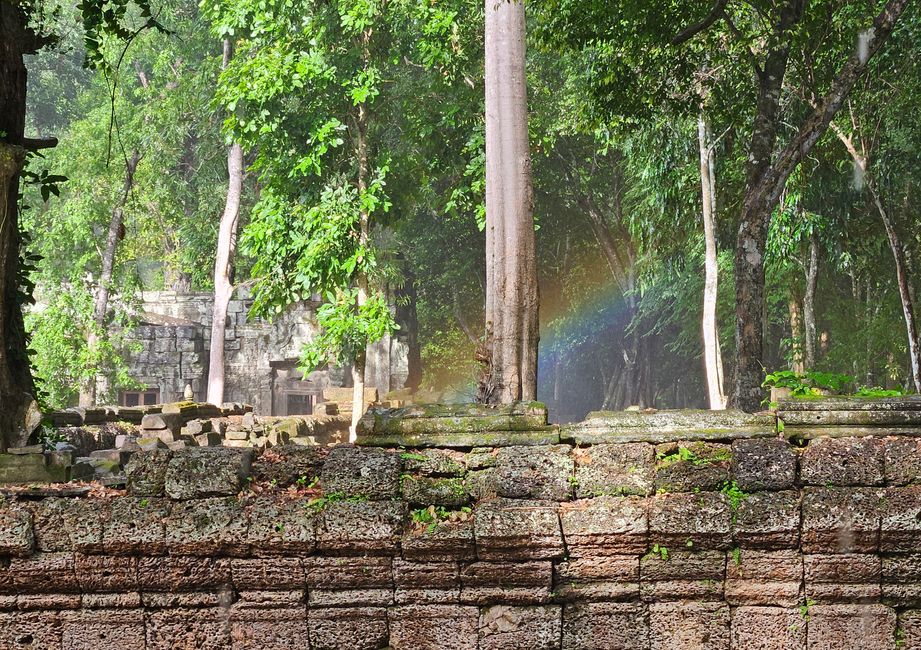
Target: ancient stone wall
656,531
174,337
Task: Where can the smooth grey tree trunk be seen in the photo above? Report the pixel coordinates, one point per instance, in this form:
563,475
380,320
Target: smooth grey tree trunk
223,262
511,267
713,364
812,280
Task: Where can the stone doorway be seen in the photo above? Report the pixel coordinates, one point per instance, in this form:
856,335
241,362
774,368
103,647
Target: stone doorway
292,393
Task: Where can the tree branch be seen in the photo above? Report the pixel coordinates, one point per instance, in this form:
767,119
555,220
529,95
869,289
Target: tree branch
690,32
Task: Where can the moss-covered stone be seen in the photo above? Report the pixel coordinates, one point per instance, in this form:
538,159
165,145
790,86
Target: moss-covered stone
425,490
549,435
667,426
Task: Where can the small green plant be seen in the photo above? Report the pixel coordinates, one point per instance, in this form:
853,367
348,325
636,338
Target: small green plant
734,493
661,551
417,457
876,391
899,637
810,384
688,455
320,502
737,556
143,503
804,609
49,437
573,481
307,482
429,518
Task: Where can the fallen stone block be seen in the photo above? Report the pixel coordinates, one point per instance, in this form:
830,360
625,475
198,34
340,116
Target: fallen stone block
206,472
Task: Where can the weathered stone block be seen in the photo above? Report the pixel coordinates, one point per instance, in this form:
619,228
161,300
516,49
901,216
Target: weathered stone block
856,461
535,473
30,630
605,526
426,582
267,574
104,573
851,627
42,573
764,578
901,583
356,628
763,464
17,537
689,626
900,520
767,628
203,472
481,458
450,540
481,484
286,464
362,472
440,491
605,626
610,470
768,520
86,629
278,526
842,578
437,462
597,578
841,520
691,466
70,524
908,631
183,573
703,519
667,426
216,526
517,529
433,626
47,601
372,527
203,629
486,583
136,525
682,575
901,460
338,581
274,628
505,627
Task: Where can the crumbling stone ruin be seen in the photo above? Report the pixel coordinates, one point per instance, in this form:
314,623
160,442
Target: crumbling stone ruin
468,527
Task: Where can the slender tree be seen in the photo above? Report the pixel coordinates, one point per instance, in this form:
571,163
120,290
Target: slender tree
223,262
511,267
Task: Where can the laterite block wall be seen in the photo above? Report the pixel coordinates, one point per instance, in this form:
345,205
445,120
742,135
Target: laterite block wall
639,535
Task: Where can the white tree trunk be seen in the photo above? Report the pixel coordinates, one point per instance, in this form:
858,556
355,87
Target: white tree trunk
226,246
812,277
713,363
511,267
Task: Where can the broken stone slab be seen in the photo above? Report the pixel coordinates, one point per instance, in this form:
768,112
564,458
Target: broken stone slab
30,468
453,418
171,422
119,456
209,439
22,451
549,435
146,472
201,472
667,426
850,403
195,427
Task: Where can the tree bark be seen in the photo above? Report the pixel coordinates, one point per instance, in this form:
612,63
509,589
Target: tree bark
101,300
364,236
766,179
796,332
898,255
223,262
812,277
16,384
712,361
511,267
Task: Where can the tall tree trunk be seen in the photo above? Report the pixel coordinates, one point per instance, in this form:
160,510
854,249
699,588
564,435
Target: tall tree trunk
766,179
16,385
511,266
712,358
101,300
223,262
898,254
364,235
812,277
796,332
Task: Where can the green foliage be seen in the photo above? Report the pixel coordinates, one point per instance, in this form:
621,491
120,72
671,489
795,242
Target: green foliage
811,384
